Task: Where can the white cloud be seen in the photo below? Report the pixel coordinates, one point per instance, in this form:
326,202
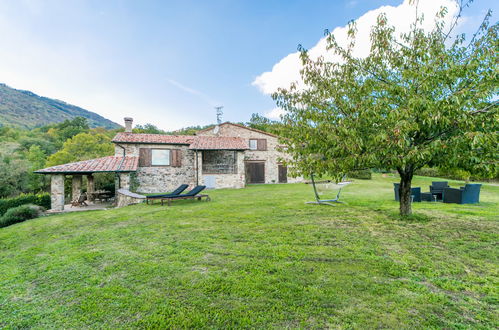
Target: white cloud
287,70
275,114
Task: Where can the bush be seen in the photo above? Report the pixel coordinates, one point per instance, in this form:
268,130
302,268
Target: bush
428,171
42,200
453,173
20,214
361,174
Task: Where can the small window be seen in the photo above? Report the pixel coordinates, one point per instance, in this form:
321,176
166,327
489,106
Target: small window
253,144
160,157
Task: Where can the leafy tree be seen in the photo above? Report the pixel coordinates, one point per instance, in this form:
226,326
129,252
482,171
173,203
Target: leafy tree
421,98
190,130
148,128
82,146
37,158
13,169
67,129
262,123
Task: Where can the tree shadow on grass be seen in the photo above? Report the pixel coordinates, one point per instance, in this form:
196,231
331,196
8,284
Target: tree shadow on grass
394,215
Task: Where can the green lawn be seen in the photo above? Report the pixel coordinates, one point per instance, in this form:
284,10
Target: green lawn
257,257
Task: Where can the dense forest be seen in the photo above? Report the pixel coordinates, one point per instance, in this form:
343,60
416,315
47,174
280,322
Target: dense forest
25,109
23,151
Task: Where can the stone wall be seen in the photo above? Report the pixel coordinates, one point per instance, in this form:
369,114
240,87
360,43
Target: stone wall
235,180
219,162
272,157
124,197
157,179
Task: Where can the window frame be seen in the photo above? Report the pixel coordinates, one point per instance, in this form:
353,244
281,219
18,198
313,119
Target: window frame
256,144
169,157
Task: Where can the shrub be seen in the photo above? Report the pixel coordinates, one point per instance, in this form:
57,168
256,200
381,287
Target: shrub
20,214
42,199
361,174
428,171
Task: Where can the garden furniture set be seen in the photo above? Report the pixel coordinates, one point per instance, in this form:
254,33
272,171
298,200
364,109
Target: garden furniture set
440,191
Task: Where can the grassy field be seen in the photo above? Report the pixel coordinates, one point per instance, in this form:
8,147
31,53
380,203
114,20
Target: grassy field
257,257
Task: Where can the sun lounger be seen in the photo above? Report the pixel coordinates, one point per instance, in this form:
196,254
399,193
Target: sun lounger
176,192
193,194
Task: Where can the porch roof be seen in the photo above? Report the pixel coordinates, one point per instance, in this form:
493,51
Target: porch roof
104,164
218,143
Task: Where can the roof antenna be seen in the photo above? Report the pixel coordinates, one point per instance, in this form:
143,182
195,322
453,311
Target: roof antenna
219,114
219,119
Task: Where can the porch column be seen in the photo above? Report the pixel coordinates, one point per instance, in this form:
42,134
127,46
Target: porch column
241,170
90,187
124,181
199,169
76,185
57,192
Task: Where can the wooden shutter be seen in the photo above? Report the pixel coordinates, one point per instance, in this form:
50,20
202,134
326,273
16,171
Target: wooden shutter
144,157
176,157
262,144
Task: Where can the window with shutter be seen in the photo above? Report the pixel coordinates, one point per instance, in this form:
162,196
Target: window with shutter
160,157
176,158
262,144
253,144
144,157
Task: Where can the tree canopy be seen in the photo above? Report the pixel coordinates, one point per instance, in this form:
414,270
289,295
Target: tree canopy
419,98
82,146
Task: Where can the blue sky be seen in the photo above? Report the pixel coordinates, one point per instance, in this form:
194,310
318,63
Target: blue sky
166,62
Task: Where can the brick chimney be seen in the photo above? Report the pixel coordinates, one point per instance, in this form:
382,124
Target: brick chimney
128,124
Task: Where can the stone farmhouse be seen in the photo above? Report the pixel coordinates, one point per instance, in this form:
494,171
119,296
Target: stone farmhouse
223,156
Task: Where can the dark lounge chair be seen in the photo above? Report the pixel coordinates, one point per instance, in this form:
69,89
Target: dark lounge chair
437,188
415,193
176,192
469,194
193,194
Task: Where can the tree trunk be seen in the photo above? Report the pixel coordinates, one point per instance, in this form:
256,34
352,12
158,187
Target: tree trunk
405,190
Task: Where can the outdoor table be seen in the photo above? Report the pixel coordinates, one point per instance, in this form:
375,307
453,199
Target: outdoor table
101,195
429,197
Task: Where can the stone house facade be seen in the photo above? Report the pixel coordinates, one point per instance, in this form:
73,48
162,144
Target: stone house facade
262,159
223,156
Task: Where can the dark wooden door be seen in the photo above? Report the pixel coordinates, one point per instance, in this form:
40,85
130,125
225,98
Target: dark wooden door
283,174
255,172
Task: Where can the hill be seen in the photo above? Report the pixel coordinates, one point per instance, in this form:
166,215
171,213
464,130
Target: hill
24,109
257,258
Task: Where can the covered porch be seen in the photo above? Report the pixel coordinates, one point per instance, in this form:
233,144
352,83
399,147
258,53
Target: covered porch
85,170
220,162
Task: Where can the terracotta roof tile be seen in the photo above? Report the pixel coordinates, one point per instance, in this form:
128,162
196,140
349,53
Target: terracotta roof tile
237,125
153,138
195,142
104,164
218,143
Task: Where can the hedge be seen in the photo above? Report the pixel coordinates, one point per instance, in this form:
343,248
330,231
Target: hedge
42,199
360,174
20,214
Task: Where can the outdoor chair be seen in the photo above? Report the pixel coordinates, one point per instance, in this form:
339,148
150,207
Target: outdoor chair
469,194
193,194
437,188
79,201
176,192
415,193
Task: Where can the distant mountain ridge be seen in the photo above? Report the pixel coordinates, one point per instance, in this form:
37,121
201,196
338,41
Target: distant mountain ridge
25,109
